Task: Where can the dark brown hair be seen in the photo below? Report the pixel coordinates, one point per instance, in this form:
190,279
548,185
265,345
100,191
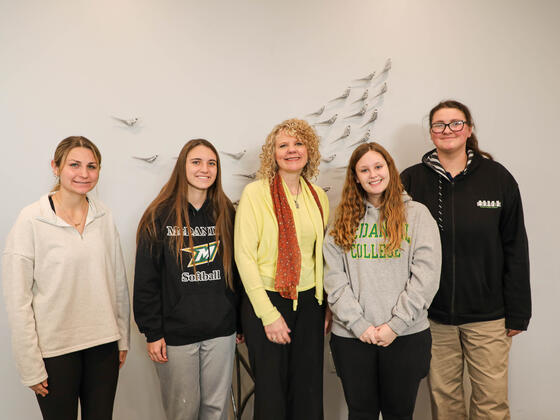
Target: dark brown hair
69,143
172,201
352,208
472,141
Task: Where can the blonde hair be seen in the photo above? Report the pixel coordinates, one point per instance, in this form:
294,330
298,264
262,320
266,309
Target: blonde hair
300,130
351,208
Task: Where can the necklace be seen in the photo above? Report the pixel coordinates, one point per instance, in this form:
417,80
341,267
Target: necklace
297,197
84,212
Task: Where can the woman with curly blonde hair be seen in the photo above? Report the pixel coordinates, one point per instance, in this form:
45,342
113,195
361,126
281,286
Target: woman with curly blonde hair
383,260
279,229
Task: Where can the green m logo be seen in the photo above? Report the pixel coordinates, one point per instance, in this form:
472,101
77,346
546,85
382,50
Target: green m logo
203,254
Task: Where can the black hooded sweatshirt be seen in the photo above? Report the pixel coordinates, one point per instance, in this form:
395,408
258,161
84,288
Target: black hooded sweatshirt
174,302
485,265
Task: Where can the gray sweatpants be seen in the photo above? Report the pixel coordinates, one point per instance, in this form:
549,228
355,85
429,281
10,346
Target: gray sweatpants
196,381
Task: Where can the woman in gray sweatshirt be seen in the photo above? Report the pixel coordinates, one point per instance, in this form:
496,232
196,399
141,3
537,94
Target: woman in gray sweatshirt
383,258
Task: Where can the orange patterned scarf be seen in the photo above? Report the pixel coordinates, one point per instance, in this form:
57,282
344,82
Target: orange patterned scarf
288,265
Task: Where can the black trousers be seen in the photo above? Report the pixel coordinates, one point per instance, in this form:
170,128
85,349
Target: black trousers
288,377
382,379
90,375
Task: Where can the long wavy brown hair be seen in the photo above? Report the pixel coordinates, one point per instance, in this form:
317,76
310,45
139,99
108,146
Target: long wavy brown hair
172,206
352,207
300,130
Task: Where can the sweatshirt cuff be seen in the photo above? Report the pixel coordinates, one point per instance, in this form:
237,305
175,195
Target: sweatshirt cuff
270,316
35,381
154,336
513,323
122,344
397,325
359,327
238,324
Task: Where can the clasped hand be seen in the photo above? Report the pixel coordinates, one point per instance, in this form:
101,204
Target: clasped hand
381,336
278,331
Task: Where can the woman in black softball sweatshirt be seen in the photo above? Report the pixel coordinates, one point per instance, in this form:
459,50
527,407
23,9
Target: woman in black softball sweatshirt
185,294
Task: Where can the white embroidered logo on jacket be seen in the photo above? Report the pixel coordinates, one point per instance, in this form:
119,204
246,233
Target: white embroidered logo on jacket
489,204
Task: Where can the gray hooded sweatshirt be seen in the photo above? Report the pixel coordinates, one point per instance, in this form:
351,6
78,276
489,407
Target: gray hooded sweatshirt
369,286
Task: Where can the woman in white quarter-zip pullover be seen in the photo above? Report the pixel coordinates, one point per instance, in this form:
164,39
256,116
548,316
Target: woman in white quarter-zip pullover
66,291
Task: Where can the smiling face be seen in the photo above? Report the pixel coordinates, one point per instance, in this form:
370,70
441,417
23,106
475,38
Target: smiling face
450,142
290,154
372,173
79,172
201,168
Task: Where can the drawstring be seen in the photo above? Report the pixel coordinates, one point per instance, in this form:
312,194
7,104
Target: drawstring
440,204
431,160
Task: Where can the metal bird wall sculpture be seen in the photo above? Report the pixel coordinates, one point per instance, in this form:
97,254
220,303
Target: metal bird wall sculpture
237,155
149,159
339,135
130,122
329,159
344,95
372,118
360,113
330,121
382,91
362,98
364,139
368,78
317,113
252,175
388,65
344,134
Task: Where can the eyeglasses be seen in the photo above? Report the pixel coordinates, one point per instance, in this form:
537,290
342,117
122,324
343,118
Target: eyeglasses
454,126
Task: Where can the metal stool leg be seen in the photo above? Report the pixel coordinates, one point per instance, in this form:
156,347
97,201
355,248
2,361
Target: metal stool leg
239,401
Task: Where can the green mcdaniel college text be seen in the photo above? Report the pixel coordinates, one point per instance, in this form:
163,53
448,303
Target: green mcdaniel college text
376,249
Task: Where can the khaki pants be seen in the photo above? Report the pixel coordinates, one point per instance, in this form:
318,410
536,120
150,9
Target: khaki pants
485,348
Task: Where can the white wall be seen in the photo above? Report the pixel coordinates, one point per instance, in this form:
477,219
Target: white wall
229,71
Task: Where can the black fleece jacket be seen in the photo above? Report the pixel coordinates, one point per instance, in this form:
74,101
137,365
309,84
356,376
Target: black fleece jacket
173,302
485,265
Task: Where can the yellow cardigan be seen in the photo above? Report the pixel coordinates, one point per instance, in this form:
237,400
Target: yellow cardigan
256,243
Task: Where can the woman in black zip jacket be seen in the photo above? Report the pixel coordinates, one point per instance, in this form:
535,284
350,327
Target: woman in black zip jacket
484,297
184,300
